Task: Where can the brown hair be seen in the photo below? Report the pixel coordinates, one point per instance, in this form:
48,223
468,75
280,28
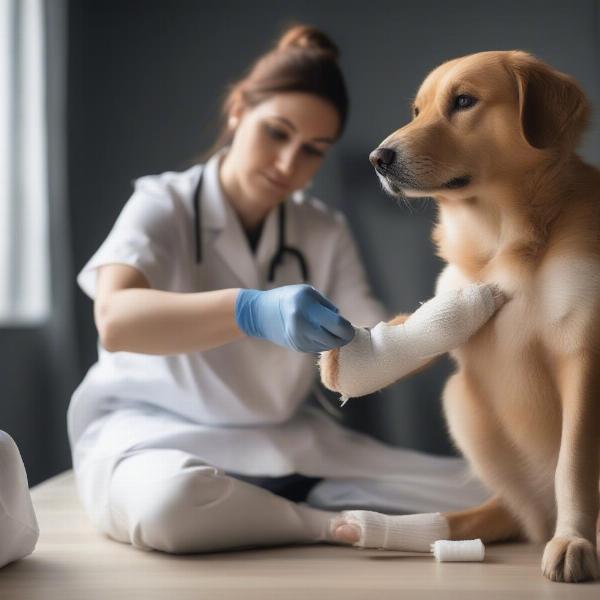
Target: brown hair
303,60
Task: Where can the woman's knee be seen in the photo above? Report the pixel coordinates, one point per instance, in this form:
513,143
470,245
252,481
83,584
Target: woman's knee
179,514
8,448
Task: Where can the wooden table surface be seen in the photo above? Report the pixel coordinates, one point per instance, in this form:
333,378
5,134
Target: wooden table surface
72,561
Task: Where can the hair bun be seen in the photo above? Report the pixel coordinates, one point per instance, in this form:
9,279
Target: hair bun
309,38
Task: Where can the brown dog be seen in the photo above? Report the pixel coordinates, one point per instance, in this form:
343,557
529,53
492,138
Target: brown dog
493,141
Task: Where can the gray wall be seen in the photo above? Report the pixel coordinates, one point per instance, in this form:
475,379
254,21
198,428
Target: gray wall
144,83
146,79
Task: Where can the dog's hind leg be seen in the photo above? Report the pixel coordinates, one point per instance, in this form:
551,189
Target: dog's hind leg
490,521
497,462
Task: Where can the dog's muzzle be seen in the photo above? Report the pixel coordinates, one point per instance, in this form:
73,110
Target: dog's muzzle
393,169
398,172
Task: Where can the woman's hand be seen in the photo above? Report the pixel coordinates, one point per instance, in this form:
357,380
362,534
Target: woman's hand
292,316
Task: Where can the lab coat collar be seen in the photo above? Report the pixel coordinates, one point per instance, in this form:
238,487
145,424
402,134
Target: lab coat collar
223,226
213,202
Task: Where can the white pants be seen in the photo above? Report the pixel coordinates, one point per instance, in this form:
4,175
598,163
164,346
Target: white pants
169,500
156,496
18,526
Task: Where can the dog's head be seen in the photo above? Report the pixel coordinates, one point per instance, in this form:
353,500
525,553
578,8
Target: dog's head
486,117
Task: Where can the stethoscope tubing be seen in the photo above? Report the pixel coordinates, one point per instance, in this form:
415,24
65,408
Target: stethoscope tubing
282,248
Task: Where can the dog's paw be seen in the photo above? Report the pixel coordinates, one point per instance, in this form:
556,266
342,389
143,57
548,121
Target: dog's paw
570,560
329,367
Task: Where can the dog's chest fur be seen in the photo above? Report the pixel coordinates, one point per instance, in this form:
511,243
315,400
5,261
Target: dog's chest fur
511,362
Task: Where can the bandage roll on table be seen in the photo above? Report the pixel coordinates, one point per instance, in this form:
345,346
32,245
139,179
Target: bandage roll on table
458,551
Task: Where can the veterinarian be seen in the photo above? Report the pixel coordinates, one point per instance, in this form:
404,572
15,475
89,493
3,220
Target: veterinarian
212,294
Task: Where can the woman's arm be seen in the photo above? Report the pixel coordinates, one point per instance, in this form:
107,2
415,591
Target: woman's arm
132,317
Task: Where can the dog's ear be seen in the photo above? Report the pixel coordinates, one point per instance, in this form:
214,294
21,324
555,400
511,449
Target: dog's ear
554,110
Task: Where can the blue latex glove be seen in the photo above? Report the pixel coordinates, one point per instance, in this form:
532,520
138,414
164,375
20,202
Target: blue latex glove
292,316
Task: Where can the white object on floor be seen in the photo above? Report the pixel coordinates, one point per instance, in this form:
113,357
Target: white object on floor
458,551
380,356
19,530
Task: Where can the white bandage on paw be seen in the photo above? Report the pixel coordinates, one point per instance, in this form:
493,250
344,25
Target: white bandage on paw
405,532
380,356
458,551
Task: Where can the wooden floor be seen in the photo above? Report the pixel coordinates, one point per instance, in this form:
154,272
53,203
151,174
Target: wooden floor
72,561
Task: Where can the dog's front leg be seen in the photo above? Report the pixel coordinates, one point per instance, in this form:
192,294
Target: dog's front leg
570,555
380,356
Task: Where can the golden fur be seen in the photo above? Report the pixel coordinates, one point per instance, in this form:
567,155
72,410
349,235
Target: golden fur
519,208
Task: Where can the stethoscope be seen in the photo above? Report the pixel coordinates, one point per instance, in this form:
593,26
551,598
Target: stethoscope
282,249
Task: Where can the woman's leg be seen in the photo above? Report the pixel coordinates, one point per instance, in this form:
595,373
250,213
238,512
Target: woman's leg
169,500
420,483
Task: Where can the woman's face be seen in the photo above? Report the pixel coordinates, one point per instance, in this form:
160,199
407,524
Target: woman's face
278,146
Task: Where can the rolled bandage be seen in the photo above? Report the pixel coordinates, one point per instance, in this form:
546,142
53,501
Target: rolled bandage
378,357
458,551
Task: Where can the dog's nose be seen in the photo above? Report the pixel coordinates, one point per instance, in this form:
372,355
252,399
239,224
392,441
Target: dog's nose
382,157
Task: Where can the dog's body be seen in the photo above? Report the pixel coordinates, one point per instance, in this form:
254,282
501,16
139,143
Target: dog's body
517,207
505,404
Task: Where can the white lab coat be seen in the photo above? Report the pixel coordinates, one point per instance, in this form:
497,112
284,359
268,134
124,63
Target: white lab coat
249,383
238,407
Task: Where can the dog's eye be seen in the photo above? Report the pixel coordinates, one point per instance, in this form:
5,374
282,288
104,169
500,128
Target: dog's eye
415,111
463,101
